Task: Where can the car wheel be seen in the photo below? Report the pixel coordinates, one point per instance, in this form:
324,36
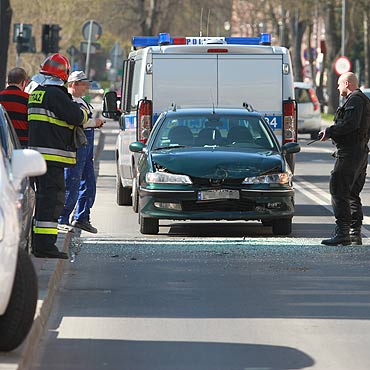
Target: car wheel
123,193
149,225
282,226
135,196
18,318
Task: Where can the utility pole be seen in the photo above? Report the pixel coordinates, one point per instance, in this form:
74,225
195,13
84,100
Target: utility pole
343,26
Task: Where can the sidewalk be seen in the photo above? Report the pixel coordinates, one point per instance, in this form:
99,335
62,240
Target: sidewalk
49,273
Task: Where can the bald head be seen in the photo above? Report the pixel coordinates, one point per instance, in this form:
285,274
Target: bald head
347,82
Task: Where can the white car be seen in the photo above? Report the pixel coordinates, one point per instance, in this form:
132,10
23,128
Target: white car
18,288
308,106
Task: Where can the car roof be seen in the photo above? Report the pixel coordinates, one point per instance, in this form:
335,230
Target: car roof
210,111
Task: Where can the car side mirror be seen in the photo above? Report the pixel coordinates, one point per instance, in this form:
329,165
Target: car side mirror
137,147
290,148
26,163
110,105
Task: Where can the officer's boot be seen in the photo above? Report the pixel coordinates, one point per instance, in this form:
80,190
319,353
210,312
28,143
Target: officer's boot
355,235
341,237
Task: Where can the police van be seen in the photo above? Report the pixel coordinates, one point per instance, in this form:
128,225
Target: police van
199,72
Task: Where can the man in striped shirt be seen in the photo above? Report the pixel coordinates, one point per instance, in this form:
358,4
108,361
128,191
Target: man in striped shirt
14,99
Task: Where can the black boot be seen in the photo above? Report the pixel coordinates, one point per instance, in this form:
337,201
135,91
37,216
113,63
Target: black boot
355,235
341,237
52,252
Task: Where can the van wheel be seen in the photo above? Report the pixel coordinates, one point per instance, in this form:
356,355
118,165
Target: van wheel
123,194
18,317
282,226
135,196
149,225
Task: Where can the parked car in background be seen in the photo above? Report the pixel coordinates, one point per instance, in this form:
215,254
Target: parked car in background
308,106
18,288
366,91
213,164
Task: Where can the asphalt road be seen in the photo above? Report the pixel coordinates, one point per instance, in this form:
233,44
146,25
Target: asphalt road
206,295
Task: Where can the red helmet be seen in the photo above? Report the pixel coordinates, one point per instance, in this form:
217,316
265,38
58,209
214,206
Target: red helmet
56,65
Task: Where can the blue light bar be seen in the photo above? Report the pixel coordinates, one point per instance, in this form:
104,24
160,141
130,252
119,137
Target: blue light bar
242,40
165,39
265,39
143,41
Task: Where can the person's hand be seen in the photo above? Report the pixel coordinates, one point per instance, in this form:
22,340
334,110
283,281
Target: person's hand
322,135
99,122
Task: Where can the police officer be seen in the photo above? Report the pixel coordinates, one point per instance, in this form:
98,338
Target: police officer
52,117
350,133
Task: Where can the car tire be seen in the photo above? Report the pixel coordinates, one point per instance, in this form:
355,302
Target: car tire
19,315
149,225
123,193
135,196
282,226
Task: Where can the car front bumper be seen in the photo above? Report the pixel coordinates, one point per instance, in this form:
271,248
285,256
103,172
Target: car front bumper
184,205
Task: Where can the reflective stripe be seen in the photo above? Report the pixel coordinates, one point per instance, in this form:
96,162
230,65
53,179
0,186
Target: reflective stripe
45,230
55,121
58,152
55,158
46,224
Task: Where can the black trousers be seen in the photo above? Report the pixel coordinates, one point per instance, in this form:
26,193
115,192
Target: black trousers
50,194
346,183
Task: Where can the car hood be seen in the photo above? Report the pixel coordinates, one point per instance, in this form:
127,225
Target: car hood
218,162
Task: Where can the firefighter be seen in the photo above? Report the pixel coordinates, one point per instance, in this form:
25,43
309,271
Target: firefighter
350,133
52,117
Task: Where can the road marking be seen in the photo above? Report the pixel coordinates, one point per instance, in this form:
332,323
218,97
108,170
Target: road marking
322,198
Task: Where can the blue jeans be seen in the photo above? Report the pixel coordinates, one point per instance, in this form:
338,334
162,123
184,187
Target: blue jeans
80,183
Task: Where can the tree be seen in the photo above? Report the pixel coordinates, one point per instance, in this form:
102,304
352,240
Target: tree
5,22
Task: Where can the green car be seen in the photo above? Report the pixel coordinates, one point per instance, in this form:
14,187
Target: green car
214,164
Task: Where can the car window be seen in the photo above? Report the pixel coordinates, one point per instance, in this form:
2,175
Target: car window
302,95
202,131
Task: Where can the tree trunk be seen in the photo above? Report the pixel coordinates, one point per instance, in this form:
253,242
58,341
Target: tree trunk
333,52
5,22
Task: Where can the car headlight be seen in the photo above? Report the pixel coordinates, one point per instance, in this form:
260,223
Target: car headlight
167,178
283,178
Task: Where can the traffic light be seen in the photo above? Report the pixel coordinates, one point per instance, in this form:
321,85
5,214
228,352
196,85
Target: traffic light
54,38
45,39
50,38
22,36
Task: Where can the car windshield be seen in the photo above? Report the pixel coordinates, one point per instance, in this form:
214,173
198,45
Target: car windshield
223,131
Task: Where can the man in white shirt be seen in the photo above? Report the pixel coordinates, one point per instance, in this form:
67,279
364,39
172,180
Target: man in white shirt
80,180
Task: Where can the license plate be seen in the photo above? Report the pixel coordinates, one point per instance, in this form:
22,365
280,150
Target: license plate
218,194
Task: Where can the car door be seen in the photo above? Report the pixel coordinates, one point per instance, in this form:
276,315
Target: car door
10,142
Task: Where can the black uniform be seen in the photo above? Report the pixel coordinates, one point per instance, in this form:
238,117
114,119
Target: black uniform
350,133
52,117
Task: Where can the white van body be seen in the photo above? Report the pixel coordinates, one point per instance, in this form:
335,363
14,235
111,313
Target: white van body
201,73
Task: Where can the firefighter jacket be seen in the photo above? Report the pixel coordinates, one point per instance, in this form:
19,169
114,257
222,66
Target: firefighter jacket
52,118
350,131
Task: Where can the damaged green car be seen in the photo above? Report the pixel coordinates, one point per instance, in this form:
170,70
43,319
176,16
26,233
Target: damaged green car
213,164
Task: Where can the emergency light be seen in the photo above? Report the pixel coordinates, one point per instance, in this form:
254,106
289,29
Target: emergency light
165,39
